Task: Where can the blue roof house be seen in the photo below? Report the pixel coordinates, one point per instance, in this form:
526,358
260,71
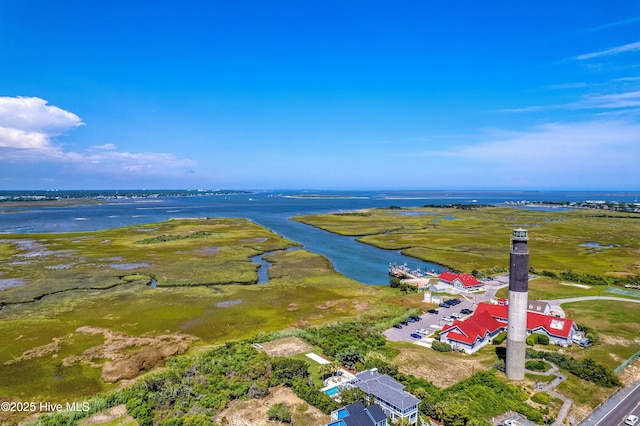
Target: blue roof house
357,415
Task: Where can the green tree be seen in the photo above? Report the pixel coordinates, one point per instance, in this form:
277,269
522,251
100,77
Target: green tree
456,414
351,395
286,370
350,357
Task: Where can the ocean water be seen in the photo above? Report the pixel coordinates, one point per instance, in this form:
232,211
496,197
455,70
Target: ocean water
273,209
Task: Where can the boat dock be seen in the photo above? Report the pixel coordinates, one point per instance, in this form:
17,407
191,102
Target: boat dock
403,272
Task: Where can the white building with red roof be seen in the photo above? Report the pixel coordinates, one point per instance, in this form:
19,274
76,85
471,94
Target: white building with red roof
489,320
463,282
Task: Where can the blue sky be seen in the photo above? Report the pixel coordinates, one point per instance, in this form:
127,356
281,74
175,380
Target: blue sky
319,94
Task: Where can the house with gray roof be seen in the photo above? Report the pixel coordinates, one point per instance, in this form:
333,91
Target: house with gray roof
538,307
390,395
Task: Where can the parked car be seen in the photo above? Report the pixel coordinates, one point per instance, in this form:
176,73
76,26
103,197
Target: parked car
416,336
447,319
433,311
466,311
404,323
631,420
454,315
416,318
443,305
422,331
397,326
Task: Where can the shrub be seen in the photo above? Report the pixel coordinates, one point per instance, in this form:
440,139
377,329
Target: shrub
533,354
440,346
500,338
589,333
280,413
285,370
308,392
542,339
586,369
537,365
531,340
350,357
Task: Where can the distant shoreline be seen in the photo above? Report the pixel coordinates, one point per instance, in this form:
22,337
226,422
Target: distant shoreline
327,197
21,199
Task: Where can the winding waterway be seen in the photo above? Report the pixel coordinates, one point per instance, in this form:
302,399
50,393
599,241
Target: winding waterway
273,210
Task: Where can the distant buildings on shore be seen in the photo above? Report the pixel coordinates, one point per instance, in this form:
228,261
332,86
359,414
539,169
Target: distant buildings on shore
588,204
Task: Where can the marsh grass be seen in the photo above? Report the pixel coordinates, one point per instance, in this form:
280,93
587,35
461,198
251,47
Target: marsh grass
545,288
479,238
304,290
52,263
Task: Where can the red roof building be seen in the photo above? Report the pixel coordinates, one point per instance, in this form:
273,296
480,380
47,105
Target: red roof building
464,282
489,320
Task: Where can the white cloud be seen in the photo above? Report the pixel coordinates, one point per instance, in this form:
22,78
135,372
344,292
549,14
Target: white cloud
107,146
631,47
612,24
590,101
579,154
28,127
34,115
611,101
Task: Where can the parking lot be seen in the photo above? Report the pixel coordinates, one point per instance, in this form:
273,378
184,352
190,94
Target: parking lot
430,322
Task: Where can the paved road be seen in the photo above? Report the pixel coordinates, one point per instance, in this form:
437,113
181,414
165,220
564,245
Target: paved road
583,298
613,411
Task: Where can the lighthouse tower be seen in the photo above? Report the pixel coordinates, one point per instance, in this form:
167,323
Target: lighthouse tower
518,296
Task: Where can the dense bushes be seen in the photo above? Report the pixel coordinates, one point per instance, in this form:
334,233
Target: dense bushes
500,338
471,401
192,389
536,365
571,276
542,339
440,346
286,370
589,333
348,338
534,338
305,389
586,369
531,353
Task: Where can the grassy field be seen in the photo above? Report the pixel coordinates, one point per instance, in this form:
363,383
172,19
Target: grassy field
39,333
545,288
617,325
479,239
